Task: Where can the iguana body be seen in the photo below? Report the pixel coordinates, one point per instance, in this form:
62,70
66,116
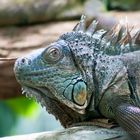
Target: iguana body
86,75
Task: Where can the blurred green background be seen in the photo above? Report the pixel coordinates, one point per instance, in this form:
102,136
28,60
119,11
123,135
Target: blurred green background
22,116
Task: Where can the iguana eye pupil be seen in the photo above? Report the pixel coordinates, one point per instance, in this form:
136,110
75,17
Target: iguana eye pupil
54,53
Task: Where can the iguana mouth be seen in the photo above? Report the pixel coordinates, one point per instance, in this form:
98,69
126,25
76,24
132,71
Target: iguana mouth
35,93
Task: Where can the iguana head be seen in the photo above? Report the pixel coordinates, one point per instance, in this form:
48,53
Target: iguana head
60,71
63,70
52,72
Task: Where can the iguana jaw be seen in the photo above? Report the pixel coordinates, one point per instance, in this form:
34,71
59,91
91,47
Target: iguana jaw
40,93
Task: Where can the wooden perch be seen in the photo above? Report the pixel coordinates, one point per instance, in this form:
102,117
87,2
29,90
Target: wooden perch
76,133
8,85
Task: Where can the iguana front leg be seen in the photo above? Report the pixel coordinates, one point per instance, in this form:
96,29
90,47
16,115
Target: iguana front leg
128,116
122,110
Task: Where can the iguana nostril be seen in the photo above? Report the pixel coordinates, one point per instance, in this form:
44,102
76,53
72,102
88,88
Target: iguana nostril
25,61
21,67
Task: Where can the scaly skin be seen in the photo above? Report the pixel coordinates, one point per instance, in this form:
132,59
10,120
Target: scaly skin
85,75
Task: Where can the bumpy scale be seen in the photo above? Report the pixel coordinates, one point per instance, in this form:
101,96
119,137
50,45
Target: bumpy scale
86,74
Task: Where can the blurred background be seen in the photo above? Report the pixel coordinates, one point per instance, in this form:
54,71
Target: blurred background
26,25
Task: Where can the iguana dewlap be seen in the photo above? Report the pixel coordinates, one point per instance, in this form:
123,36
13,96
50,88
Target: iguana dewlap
86,74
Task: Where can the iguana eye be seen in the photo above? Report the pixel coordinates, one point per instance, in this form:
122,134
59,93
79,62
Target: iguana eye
53,54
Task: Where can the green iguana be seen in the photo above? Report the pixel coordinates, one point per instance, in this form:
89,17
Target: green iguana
86,74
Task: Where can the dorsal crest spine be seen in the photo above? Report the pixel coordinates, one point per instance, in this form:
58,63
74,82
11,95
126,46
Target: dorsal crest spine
114,42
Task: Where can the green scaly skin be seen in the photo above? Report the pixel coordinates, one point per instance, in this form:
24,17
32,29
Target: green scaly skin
85,75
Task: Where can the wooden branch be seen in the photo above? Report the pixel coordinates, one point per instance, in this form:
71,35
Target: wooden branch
76,133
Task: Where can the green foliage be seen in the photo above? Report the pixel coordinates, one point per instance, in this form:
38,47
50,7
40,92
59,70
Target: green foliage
122,4
7,119
12,110
22,106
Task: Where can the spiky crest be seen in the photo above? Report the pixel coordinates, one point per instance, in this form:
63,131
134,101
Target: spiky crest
110,42
80,27
136,38
92,27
